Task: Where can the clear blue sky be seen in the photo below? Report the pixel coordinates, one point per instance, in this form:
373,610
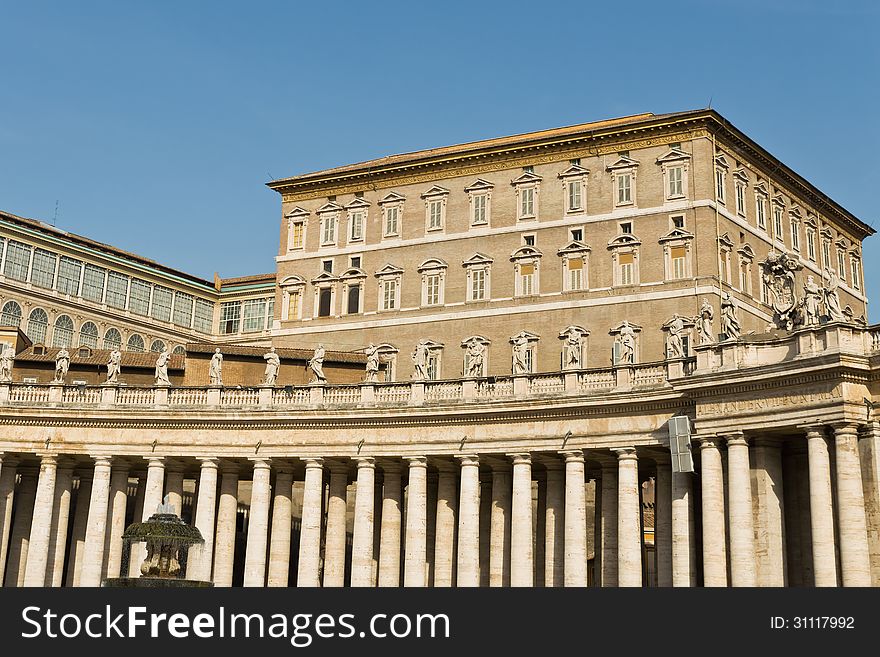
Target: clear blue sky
156,124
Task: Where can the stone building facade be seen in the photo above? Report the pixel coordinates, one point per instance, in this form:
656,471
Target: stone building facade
625,353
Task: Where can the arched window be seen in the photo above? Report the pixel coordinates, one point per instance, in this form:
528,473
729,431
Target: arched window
88,335
179,349
38,322
62,336
157,346
135,343
11,314
112,339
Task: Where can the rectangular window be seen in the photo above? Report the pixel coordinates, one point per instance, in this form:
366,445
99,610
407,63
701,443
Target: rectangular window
529,358
795,235
297,233
294,306
744,282
433,366
575,274
811,244
826,254
626,228
139,298
527,202
327,266
678,221
253,315
389,294
270,312
841,264
740,199
18,258
725,266
432,289
392,217
719,185
624,188
43,268
354,300
760,212
577,234
478,284
325,297
480,205
678,256
69,272
777,223
574,194
356,232
626,262
328,234
528,240
183,308
527,279
161,309
435,216
676,175
204,320
856,273
93,283
230,317
117,289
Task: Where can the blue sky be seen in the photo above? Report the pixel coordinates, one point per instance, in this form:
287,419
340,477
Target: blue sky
154,126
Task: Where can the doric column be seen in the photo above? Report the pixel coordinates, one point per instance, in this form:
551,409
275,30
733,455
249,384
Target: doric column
770,509
377,529
554,526
575,520
663,522
60,524
869,453
258,525
116,520
97,523
309,566
78,535
7,496
174,487
712,488
415,546
282,519
609,524
227,511
741,516
389,531
153,488
41,524
821,513
444,545
21,528
201,557
684,555
362,537
499,537
855,564
521,540
334,545
629,540
469,522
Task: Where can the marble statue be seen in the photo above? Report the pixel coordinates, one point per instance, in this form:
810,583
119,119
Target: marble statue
316,364
420,361
476,353
215,372
7,357
273,364
674,342
832,301
812,301
114,366
729,323
704,322
778,275
162,368
572,355
520,344
62,365
372,353
627,344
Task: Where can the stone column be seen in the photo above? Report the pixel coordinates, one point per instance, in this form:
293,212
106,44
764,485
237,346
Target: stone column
684,555
227,512
78,535
60,524
389,531
521,540
41,524
21,528
258,525
116,520
416,523
444,546
153,488
663,522
97,523
609,524
869,453
741,515
7,496
821,508
469,522
362,537
855,564
629,540
309,566
334,545
712,488
199,566
282,519
769,523
499,537
575,520
554,527
174,488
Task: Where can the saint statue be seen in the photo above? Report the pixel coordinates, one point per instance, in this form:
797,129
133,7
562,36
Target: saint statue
674,343
114,366
572,358
62,365
520,366
812,301
627,341
475,357
832,301
729,323
7,357
704,322
420,361
316,364
372,353
162,368
215,372
273,364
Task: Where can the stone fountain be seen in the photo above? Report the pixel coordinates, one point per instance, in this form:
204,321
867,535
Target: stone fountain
167,540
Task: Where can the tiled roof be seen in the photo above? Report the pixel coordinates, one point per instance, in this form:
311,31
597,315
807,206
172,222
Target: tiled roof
284,353
241,280
99,357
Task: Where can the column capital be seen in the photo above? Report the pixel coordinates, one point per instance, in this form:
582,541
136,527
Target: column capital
844,428
207,462
625,453
573,456
521,458
313,462
102,459
49,459
261,463
365,462
735,438
708,442
155,461
870,429
416,461
814,430
468,459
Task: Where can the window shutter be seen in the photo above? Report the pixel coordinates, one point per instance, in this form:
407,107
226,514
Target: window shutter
678,252
680,444
575,263
625,258
527,269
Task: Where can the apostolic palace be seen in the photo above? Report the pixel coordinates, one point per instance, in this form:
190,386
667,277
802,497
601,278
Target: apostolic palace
632,352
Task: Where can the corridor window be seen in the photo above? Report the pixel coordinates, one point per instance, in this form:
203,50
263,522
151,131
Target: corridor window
139,298
204,317
183,308
254,315
230,317
18,258
117,289
43,269
69,273
161,309
93,283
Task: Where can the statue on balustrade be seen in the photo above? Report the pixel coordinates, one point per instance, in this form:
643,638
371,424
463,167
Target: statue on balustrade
62,365
215,372
420,361
704,322
372,353
674,342
832,301
812,302
316,364
7,357
778,276
114,366
572,357
627,344
162,368
729,323
520,345
273,364
476,356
